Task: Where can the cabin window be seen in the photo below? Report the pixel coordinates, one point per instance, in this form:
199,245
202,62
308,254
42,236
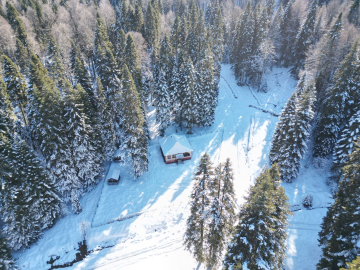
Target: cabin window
169,157
186,154
173,156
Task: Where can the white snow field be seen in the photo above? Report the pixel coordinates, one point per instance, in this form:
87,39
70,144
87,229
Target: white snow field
140,224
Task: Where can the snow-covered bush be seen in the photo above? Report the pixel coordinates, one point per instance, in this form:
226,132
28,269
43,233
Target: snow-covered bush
308,201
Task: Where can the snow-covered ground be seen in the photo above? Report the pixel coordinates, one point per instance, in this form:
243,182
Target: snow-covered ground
140,225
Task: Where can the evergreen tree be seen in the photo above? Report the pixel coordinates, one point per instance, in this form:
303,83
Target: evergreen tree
304,39
6,261
119,46
259,240
208,90
29,202
134,142
345,144
22,56
288,31
353,15
162,105
339,105
199,207
15,21
138,18
131,59
16,86
222,215
190,114
285,120
328,59
54,64
242,45
340,229
105,124
293,147
152,26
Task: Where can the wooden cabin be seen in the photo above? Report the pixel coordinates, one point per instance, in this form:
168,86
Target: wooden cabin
113,176
175,148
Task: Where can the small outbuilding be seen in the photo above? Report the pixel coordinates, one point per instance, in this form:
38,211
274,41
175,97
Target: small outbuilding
175,148
113,176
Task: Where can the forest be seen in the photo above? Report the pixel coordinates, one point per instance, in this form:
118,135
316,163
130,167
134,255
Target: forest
77,78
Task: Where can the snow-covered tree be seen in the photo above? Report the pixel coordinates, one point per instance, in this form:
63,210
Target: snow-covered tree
162,105
29,203
354,265
259,239
345,144
6,260
16,86
221,213
134,142
304,39
340,230
199,207
191,96
339,105
293,147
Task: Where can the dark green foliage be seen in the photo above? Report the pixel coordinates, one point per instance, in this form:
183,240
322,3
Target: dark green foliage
13,18
152,26
340,229
222,214
54,65
304,39
138,18
200,201
134,142
353,15
259,239
16,86
6,261
29,201
22,57
340,104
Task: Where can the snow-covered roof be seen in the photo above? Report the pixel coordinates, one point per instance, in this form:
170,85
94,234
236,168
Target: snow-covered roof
114,171
175,144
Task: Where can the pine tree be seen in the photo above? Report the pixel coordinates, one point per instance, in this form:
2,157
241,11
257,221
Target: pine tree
190,114
29,202
285,120
340,229
162,105
6,261
207,87
16,23
134,142
304,39
54,64
242,45
328,59
22,56
294,146
353,15
345,144
119,45
138,18
259,240
222,215
288,31
105,124
152,26
16,86
339,104
131,59
199,207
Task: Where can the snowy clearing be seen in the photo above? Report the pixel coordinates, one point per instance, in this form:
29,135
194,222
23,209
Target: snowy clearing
142,223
